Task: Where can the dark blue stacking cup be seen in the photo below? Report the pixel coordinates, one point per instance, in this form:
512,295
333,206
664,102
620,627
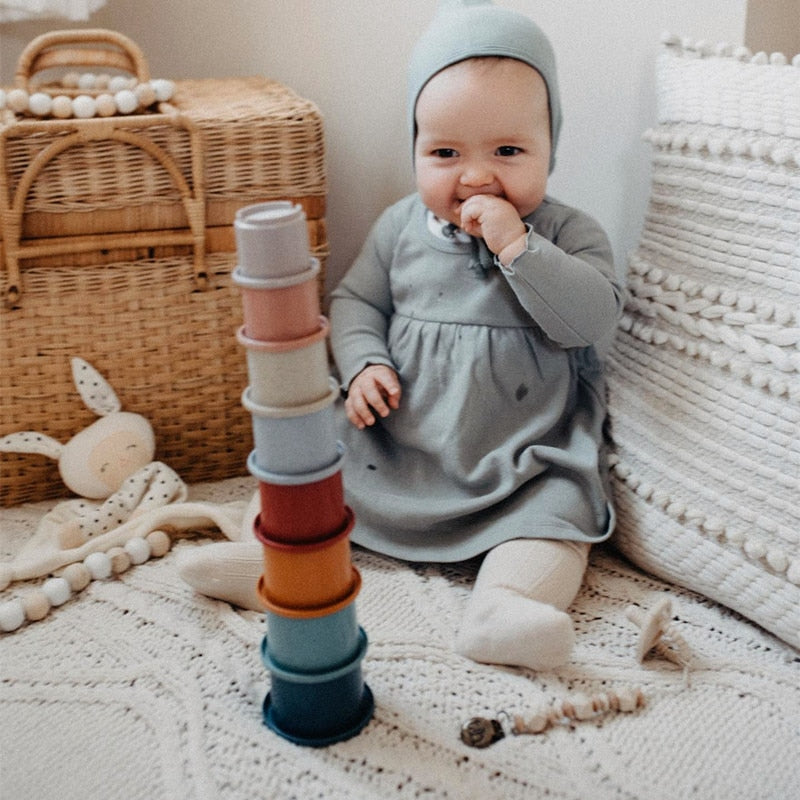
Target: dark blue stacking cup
316,709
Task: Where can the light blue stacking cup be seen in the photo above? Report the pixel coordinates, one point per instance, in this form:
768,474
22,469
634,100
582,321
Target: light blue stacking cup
294,439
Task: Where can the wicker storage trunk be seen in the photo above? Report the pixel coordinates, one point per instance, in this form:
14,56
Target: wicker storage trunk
121,253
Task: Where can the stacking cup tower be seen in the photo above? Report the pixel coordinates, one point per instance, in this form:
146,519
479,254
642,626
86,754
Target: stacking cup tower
314,645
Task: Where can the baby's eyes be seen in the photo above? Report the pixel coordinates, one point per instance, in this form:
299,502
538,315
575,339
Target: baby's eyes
508,150
504,151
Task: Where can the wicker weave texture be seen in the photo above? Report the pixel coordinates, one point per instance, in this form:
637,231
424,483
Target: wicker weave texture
109,229
260,141
168,350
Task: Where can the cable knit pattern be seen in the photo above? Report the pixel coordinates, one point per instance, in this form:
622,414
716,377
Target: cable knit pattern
142,689
704,384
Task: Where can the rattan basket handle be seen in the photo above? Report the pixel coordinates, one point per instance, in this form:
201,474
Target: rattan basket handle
93,47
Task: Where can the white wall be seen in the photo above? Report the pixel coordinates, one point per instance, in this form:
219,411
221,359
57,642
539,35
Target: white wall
349,56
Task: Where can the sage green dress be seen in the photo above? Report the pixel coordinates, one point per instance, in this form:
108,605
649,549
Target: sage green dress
500,427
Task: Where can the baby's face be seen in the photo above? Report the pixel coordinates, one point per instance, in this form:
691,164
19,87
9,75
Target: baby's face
483,127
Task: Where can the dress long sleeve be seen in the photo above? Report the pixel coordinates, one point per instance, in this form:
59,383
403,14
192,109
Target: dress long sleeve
361,306
568,284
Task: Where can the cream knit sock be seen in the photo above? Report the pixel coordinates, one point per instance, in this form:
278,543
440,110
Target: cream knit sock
515,614
227,571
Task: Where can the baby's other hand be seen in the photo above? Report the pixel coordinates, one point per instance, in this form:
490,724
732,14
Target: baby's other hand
497,222
375,389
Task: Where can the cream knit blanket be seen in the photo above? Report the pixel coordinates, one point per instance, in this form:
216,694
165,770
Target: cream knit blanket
138,688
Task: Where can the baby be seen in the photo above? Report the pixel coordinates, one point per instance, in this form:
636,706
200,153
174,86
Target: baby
465,334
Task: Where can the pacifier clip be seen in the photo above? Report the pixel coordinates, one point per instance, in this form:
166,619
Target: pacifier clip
482,731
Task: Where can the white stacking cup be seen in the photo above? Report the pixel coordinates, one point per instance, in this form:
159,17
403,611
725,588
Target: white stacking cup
272,239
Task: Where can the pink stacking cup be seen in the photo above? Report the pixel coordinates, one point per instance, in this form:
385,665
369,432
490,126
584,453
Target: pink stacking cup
280,309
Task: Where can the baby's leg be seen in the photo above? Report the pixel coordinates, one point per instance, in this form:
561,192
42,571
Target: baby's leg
515,614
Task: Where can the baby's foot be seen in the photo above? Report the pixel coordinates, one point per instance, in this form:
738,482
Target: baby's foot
503,627
226,571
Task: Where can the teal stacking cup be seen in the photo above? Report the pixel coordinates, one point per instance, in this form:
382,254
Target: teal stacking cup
313,644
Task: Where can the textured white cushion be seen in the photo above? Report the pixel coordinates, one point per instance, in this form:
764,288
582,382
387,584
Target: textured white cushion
703,381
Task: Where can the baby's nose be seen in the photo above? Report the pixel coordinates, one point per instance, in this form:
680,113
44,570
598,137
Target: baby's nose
476,174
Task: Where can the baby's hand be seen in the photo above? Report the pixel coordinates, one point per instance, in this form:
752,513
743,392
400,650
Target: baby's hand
497,222
375,388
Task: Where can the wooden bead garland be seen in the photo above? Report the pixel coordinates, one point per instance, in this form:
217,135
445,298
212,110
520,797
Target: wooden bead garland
55,591
579,708
104,96
481,732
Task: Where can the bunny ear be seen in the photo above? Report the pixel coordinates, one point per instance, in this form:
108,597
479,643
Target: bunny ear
94,389
31,442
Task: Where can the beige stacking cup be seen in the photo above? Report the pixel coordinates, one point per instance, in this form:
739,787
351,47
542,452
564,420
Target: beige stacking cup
288,373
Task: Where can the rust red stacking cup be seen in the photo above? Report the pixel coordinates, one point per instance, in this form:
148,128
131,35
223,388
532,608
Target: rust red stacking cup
300,508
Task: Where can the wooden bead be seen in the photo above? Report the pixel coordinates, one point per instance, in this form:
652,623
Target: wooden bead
77,576
120,560
145,94
105,105
36,605
583,706
62,107
17,100
159,542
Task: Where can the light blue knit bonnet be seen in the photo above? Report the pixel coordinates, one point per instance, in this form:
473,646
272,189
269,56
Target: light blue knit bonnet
465,29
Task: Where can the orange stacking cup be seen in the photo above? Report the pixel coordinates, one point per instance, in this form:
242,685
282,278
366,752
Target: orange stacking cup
280,309
310,612
308,575
288,373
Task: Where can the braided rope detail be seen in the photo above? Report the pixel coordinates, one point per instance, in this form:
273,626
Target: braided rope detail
763,332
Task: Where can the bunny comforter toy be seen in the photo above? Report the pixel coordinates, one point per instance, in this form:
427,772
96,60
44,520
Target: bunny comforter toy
140,502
